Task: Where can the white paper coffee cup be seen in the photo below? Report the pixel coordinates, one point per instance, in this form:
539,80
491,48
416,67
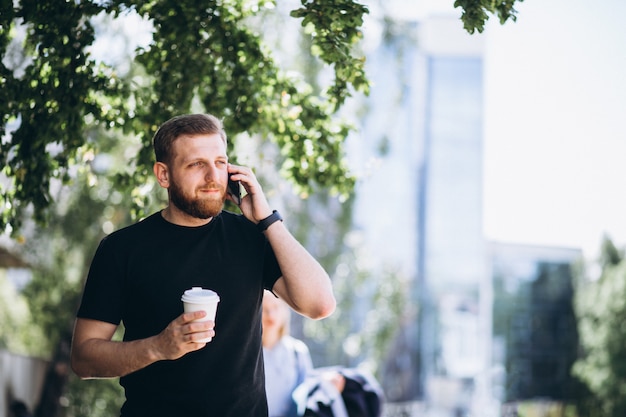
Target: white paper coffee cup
196,299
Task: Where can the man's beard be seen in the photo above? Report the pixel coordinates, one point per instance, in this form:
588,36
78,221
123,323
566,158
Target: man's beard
195,207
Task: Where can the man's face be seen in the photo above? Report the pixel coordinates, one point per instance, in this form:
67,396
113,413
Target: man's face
199,175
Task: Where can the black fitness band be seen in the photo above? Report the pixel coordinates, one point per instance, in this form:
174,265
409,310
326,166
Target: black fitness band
269,220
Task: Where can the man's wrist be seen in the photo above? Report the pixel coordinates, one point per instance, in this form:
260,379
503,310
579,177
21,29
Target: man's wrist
269,220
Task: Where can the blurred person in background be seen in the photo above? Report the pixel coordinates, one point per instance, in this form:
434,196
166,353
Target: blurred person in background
294,388
287,359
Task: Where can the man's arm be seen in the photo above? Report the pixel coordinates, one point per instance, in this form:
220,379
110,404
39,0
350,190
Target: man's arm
95,355
304,285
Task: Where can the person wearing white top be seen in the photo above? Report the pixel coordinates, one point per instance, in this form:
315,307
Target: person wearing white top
287,360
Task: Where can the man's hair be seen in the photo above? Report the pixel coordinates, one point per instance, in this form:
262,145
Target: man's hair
187,124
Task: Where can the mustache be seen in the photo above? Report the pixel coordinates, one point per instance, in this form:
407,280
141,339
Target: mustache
212,185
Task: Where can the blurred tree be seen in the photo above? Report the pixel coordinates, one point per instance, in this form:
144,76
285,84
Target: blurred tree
538,324
601,310
60,254
18,332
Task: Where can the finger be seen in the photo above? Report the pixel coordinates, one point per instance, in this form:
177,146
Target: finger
243,174
199,326
237,170
201,337
192,315
199,332
233,169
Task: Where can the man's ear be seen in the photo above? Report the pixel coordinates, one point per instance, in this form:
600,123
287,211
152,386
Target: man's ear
161,174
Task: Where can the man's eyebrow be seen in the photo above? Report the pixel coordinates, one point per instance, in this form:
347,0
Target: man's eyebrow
202,159
193,159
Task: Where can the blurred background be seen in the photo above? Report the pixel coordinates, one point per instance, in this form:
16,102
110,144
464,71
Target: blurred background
479,264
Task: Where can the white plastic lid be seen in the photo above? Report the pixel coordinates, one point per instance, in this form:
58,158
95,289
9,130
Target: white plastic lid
199,295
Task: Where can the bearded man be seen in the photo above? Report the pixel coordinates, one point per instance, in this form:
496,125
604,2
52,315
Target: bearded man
139,273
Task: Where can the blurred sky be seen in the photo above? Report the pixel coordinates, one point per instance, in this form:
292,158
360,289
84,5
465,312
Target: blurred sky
555,132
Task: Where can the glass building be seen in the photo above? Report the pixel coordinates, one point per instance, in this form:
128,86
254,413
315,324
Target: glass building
420,153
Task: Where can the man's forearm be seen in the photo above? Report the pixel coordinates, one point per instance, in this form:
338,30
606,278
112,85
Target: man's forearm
95,355
97,358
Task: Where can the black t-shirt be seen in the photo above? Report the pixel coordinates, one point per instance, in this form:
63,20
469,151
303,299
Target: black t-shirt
138,276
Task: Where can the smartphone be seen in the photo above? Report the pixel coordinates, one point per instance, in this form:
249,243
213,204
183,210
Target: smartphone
234,189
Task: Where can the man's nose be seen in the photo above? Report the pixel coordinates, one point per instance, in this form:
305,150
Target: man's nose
211,172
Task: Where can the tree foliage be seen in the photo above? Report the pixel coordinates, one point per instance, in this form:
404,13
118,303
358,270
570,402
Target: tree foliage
59,255
476,12
202,52
601,309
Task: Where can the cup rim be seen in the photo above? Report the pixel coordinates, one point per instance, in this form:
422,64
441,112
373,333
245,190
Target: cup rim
203,295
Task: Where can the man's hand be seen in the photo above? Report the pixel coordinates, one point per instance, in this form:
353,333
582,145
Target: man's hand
254,204
181,335
336,379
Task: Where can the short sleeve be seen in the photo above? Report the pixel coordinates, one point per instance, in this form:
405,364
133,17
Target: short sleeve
271,269
102,296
